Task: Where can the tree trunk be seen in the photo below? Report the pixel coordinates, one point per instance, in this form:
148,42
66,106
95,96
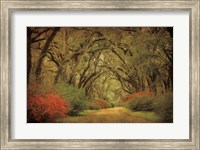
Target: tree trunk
29,55
142,84
43,54
171,78
152,85
165,85
154,89
58,75
170,30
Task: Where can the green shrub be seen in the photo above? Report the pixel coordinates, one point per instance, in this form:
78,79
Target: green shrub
163,105
112,104
75,96
142,103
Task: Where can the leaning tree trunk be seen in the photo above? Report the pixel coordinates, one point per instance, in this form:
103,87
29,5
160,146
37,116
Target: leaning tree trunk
58,75
43,54
165,85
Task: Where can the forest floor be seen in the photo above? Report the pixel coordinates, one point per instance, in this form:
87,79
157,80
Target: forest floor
113,115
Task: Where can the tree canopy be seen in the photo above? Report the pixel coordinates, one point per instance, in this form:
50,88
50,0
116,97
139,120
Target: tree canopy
106,62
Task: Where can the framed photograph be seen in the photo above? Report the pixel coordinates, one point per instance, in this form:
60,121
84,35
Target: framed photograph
100,74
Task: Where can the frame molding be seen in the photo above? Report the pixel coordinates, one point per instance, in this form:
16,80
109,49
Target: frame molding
9,6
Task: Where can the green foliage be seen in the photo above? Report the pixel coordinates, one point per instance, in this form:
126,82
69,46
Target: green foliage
76,39
142,103
112,103
163,105
75,96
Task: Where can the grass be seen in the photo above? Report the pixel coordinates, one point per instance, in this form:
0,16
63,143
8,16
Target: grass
113,115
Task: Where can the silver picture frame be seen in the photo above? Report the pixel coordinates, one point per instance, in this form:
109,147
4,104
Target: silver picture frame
10,6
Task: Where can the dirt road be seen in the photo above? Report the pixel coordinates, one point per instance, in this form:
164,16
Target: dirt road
113,115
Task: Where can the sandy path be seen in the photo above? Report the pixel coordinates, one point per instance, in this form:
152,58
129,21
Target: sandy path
112,115
110,111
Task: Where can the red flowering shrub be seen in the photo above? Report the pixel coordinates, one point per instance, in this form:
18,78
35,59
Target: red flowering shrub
93,106
138,94
103,104
47,108
125,101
